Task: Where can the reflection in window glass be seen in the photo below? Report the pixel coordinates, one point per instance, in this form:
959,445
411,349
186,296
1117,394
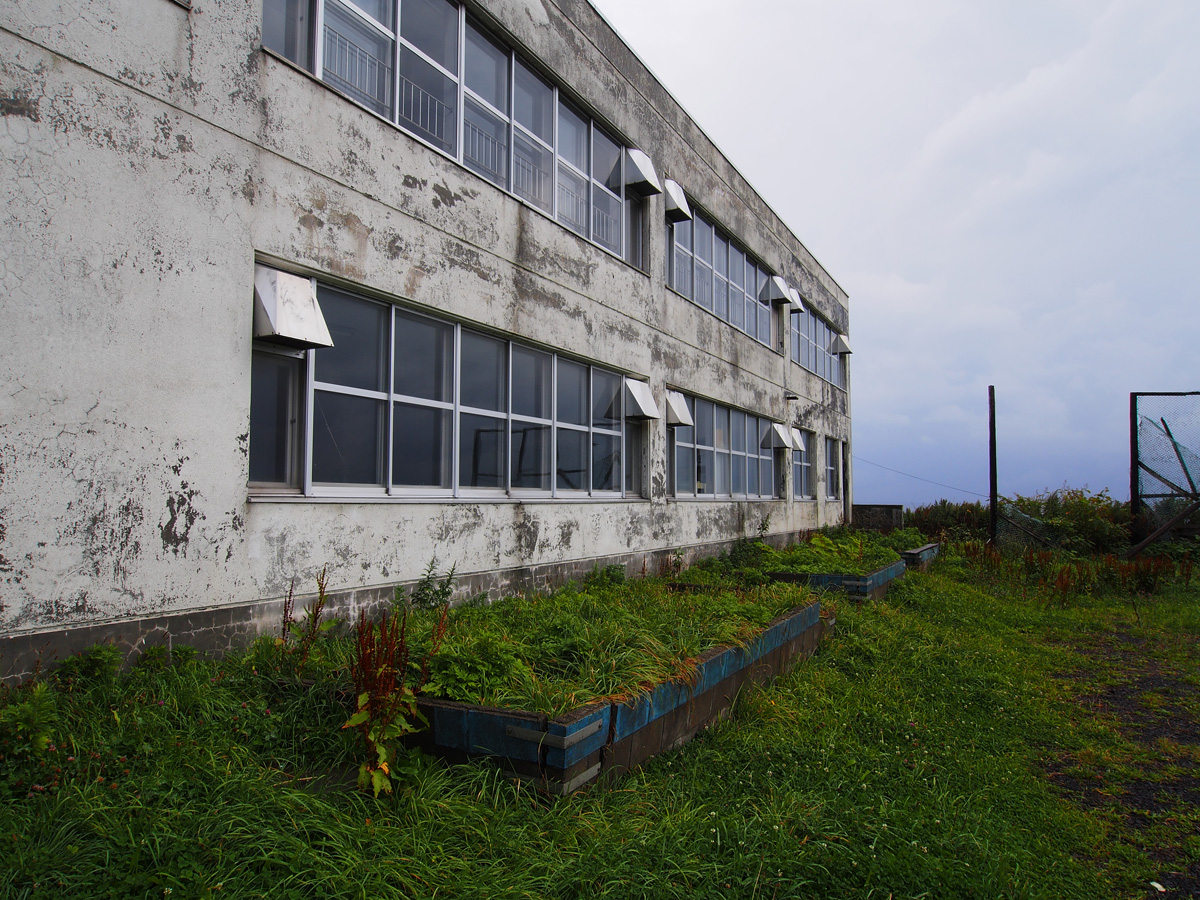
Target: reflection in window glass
287,29
359,329
533,103
572,460
532,164
357,59
606,161
379,10
530,456
572,393
572,200
428,102
274,418
421,446
531,382
572,137
485,143
432,27
606,220
347,439
424,363
481,451
484,378
606,400
486,69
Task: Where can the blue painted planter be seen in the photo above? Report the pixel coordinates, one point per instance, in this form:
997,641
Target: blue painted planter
871,586
921,558
607,738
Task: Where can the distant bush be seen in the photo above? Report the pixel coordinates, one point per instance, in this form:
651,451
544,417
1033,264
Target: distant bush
1080,521
950,521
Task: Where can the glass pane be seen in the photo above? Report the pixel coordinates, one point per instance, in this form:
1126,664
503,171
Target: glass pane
703,238
721,428
572,200
737,483
606,220
486,69
421,445
683,235
533,103
683,272
751,475
424,358
606,399
481,451
704,285
606,462
720,255
531,383
705,482
634,236
572,137
737,430
703,416
347,439
485,143
530,456
766,476
357,59
737,266
764,436
428,102
572,460
722,473
379,10
633,459
359,330
685,470
484,372
764,323
432,27
572,393
287,29
606,161
721,298
531,171
737,305
274,418
751,323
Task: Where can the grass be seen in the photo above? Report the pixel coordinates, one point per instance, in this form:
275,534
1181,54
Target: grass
959,739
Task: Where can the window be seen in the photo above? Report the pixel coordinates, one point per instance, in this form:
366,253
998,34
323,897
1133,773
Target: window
406,404
814,346
713,272
833,469
425,66
802,474
726,453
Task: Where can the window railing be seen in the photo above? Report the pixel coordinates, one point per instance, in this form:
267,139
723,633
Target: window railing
484,150
357,72
605,228
426,112
531,181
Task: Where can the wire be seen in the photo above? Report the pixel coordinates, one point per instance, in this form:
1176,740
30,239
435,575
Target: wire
918,477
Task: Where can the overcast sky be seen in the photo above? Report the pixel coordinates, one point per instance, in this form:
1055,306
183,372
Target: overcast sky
1009,190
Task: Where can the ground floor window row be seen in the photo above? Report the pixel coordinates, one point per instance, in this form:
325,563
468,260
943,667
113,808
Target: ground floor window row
403,403
805,444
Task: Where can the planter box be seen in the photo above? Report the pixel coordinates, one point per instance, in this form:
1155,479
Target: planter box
607,738
921,558
871,586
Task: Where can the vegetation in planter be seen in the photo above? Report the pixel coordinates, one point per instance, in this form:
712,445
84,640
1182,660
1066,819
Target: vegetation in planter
837,552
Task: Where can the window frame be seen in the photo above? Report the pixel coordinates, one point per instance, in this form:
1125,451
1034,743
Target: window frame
802,467
688,439
833,469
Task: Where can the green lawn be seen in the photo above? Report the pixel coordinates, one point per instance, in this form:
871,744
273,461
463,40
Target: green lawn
959,739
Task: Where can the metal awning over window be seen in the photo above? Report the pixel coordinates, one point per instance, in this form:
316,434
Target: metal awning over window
677,409
775,290
286,310
639,400
840,345
640,176
798,440
778,438
678,209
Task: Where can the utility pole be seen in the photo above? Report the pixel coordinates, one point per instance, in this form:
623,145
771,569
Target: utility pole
994,511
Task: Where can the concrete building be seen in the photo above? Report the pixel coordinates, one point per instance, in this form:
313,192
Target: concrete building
303,284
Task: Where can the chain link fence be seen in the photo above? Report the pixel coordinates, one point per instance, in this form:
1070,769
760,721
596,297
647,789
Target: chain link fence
1165,462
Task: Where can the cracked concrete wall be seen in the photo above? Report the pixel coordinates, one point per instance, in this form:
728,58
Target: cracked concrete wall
154,152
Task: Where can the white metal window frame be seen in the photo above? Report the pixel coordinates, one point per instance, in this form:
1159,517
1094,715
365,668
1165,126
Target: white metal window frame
683,255
802,465
833,469
390,397
399,44
762,426
814,346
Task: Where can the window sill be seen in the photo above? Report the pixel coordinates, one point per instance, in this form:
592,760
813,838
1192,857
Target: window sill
474,500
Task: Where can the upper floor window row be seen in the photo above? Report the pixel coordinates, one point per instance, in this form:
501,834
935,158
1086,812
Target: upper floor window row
816,347
707,267
427,67
725,452
405,404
